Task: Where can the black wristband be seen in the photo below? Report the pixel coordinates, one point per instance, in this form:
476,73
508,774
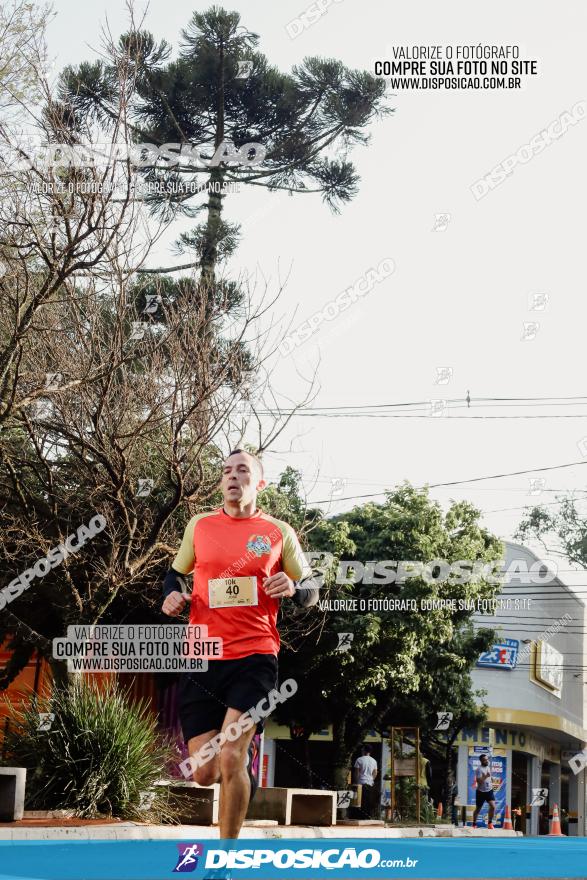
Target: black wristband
306,593
173,582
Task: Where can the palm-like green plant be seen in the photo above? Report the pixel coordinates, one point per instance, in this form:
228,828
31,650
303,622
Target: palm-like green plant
101,754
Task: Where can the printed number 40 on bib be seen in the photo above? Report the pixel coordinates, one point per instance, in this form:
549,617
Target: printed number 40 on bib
230,592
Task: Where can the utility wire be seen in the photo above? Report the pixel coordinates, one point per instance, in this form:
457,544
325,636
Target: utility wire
539,470
464,402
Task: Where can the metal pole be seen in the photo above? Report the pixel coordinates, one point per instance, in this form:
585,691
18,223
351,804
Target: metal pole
418,774
392,772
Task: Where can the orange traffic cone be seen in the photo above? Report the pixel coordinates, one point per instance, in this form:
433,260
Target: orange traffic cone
507,822
439,811
555,828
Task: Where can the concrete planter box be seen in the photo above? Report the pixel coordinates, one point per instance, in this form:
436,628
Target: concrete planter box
294,806
12,785
198,804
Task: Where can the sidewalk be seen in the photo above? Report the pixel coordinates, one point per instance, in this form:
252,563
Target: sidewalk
103,829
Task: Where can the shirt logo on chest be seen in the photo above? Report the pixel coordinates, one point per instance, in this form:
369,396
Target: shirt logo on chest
259,545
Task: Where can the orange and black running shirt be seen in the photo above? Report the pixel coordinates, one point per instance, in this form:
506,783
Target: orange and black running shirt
216,545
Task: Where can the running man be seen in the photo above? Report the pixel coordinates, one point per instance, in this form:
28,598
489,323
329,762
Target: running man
244,562
484,793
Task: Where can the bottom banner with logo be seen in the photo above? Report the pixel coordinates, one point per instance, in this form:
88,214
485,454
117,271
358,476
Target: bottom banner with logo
335,858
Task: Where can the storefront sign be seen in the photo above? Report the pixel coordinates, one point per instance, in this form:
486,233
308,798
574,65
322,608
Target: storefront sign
509,738
504,655
549,667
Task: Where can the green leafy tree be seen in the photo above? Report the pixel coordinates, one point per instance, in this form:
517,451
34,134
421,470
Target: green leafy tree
562,532
394,669
445,686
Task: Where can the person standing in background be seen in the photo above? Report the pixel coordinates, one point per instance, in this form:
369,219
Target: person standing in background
365,771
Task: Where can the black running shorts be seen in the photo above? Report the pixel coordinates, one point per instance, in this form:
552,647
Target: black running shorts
204,697
483,797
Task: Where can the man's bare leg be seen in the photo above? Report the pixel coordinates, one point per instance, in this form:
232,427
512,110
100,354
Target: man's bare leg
235,787
208,773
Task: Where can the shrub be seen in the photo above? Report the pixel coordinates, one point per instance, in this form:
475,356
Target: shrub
100,755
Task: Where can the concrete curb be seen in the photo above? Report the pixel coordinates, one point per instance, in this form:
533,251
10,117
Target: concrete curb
134,831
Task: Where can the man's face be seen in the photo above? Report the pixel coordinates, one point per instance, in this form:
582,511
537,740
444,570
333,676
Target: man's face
484,760
241,479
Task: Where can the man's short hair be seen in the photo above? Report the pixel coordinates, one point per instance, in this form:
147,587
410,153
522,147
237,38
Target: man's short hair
367,749
251,455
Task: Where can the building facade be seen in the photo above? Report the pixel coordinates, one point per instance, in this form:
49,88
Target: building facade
535,684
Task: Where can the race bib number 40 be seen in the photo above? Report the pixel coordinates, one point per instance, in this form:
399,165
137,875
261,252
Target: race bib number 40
229,592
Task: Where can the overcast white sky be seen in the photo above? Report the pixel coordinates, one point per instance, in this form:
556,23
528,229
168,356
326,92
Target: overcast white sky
459,297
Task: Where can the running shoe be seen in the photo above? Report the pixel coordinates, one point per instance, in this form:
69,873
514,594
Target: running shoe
490,826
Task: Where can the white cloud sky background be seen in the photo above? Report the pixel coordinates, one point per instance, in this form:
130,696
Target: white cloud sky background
458,298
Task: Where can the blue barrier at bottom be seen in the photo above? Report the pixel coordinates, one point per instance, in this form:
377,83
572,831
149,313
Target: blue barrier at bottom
348,859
